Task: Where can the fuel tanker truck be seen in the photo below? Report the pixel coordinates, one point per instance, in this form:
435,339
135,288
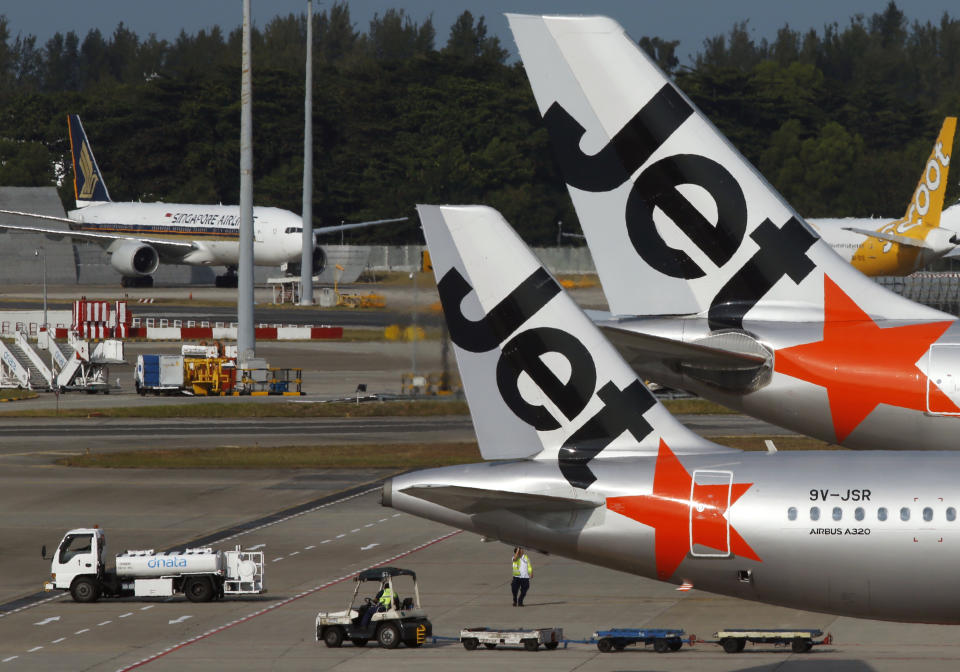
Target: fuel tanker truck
202,574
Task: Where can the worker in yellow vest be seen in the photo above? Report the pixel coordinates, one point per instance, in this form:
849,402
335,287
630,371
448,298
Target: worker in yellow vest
382,602
522,571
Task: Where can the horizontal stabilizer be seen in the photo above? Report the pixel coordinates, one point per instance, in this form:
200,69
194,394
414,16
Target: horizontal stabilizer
479,500
890,237
639,348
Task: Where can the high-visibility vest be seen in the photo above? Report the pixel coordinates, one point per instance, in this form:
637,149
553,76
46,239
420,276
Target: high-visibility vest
386,598
516,565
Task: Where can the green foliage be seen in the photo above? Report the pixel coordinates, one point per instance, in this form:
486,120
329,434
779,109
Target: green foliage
839,119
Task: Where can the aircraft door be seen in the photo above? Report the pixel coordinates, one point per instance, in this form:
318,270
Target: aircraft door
710,493
943,379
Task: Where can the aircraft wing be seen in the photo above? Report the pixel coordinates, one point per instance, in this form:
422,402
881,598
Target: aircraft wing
164,246
317,230
479,500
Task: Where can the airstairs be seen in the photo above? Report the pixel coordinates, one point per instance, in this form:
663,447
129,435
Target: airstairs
72,366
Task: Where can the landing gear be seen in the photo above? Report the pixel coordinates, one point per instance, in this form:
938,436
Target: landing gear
136,281
228,279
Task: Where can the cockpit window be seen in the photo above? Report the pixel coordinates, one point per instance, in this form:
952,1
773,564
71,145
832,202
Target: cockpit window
293,229
75,545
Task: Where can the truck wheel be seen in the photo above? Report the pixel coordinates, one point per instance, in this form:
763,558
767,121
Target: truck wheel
333,637
730,644
470,643
605,645
490,645
800,645
676,644
550,646
531,644
199,589
660,645
388,636
359,641
85,589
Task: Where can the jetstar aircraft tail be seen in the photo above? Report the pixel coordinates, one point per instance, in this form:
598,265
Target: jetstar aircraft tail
918,230
88,184
677,220
540,378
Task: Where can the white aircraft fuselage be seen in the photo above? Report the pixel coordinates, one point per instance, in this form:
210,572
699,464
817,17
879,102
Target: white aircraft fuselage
213,230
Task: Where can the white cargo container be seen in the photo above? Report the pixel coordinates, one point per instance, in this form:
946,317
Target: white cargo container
202,574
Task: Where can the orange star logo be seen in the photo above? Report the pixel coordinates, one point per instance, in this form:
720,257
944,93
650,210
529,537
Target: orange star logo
861,364
684,513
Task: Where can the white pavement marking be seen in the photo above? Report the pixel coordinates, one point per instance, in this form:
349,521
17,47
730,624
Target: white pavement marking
129,613
383,520
47,620
34,604
325,541
341,536
396,515
57,641
309,548
36,648
104,623
370,524
369,546
7,660
354,530
282,603
178,620
80,632
277,559
294,553
149,606
256,547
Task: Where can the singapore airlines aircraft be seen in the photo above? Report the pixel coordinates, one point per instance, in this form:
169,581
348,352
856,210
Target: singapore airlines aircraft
592,467
139,236
715,284
880,247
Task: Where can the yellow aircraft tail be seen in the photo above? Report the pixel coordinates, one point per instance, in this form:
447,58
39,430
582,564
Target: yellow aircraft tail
902,246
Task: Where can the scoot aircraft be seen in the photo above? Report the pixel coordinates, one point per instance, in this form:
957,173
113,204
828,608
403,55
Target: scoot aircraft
589,465
139,236
714,283
878,247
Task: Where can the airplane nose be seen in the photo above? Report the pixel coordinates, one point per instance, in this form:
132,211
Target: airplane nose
386,493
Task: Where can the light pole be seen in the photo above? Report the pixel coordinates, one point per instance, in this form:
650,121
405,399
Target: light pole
43,259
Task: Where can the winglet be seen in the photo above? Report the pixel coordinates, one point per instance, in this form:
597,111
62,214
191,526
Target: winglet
88,185
539,376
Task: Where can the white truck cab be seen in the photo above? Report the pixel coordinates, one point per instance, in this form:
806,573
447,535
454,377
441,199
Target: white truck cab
79,554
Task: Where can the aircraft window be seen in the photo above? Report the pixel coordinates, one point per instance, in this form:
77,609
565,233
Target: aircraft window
951,514
814,513
837,513
792,513
294,229
904,514
882,513
927,514
858,513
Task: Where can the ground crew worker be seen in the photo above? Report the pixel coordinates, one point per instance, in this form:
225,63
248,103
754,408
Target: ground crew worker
382,602
522,571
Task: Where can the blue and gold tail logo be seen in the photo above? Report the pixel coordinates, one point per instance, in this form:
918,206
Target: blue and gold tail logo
87,182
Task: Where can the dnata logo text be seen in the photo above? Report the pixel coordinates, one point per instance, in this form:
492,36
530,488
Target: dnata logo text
167,563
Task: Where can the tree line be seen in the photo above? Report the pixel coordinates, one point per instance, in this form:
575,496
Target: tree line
838,119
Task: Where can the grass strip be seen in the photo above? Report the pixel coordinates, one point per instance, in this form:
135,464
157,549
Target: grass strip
17,394
348,456
253,409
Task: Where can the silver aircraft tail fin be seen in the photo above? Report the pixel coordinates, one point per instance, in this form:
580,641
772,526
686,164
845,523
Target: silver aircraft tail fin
540,378
677,220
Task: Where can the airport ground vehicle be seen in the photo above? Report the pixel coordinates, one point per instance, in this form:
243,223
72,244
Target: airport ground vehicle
528,638
662,639
801,640
405,621
202,574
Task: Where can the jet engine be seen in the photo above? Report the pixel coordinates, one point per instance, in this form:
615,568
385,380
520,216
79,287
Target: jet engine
319,263
133,258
